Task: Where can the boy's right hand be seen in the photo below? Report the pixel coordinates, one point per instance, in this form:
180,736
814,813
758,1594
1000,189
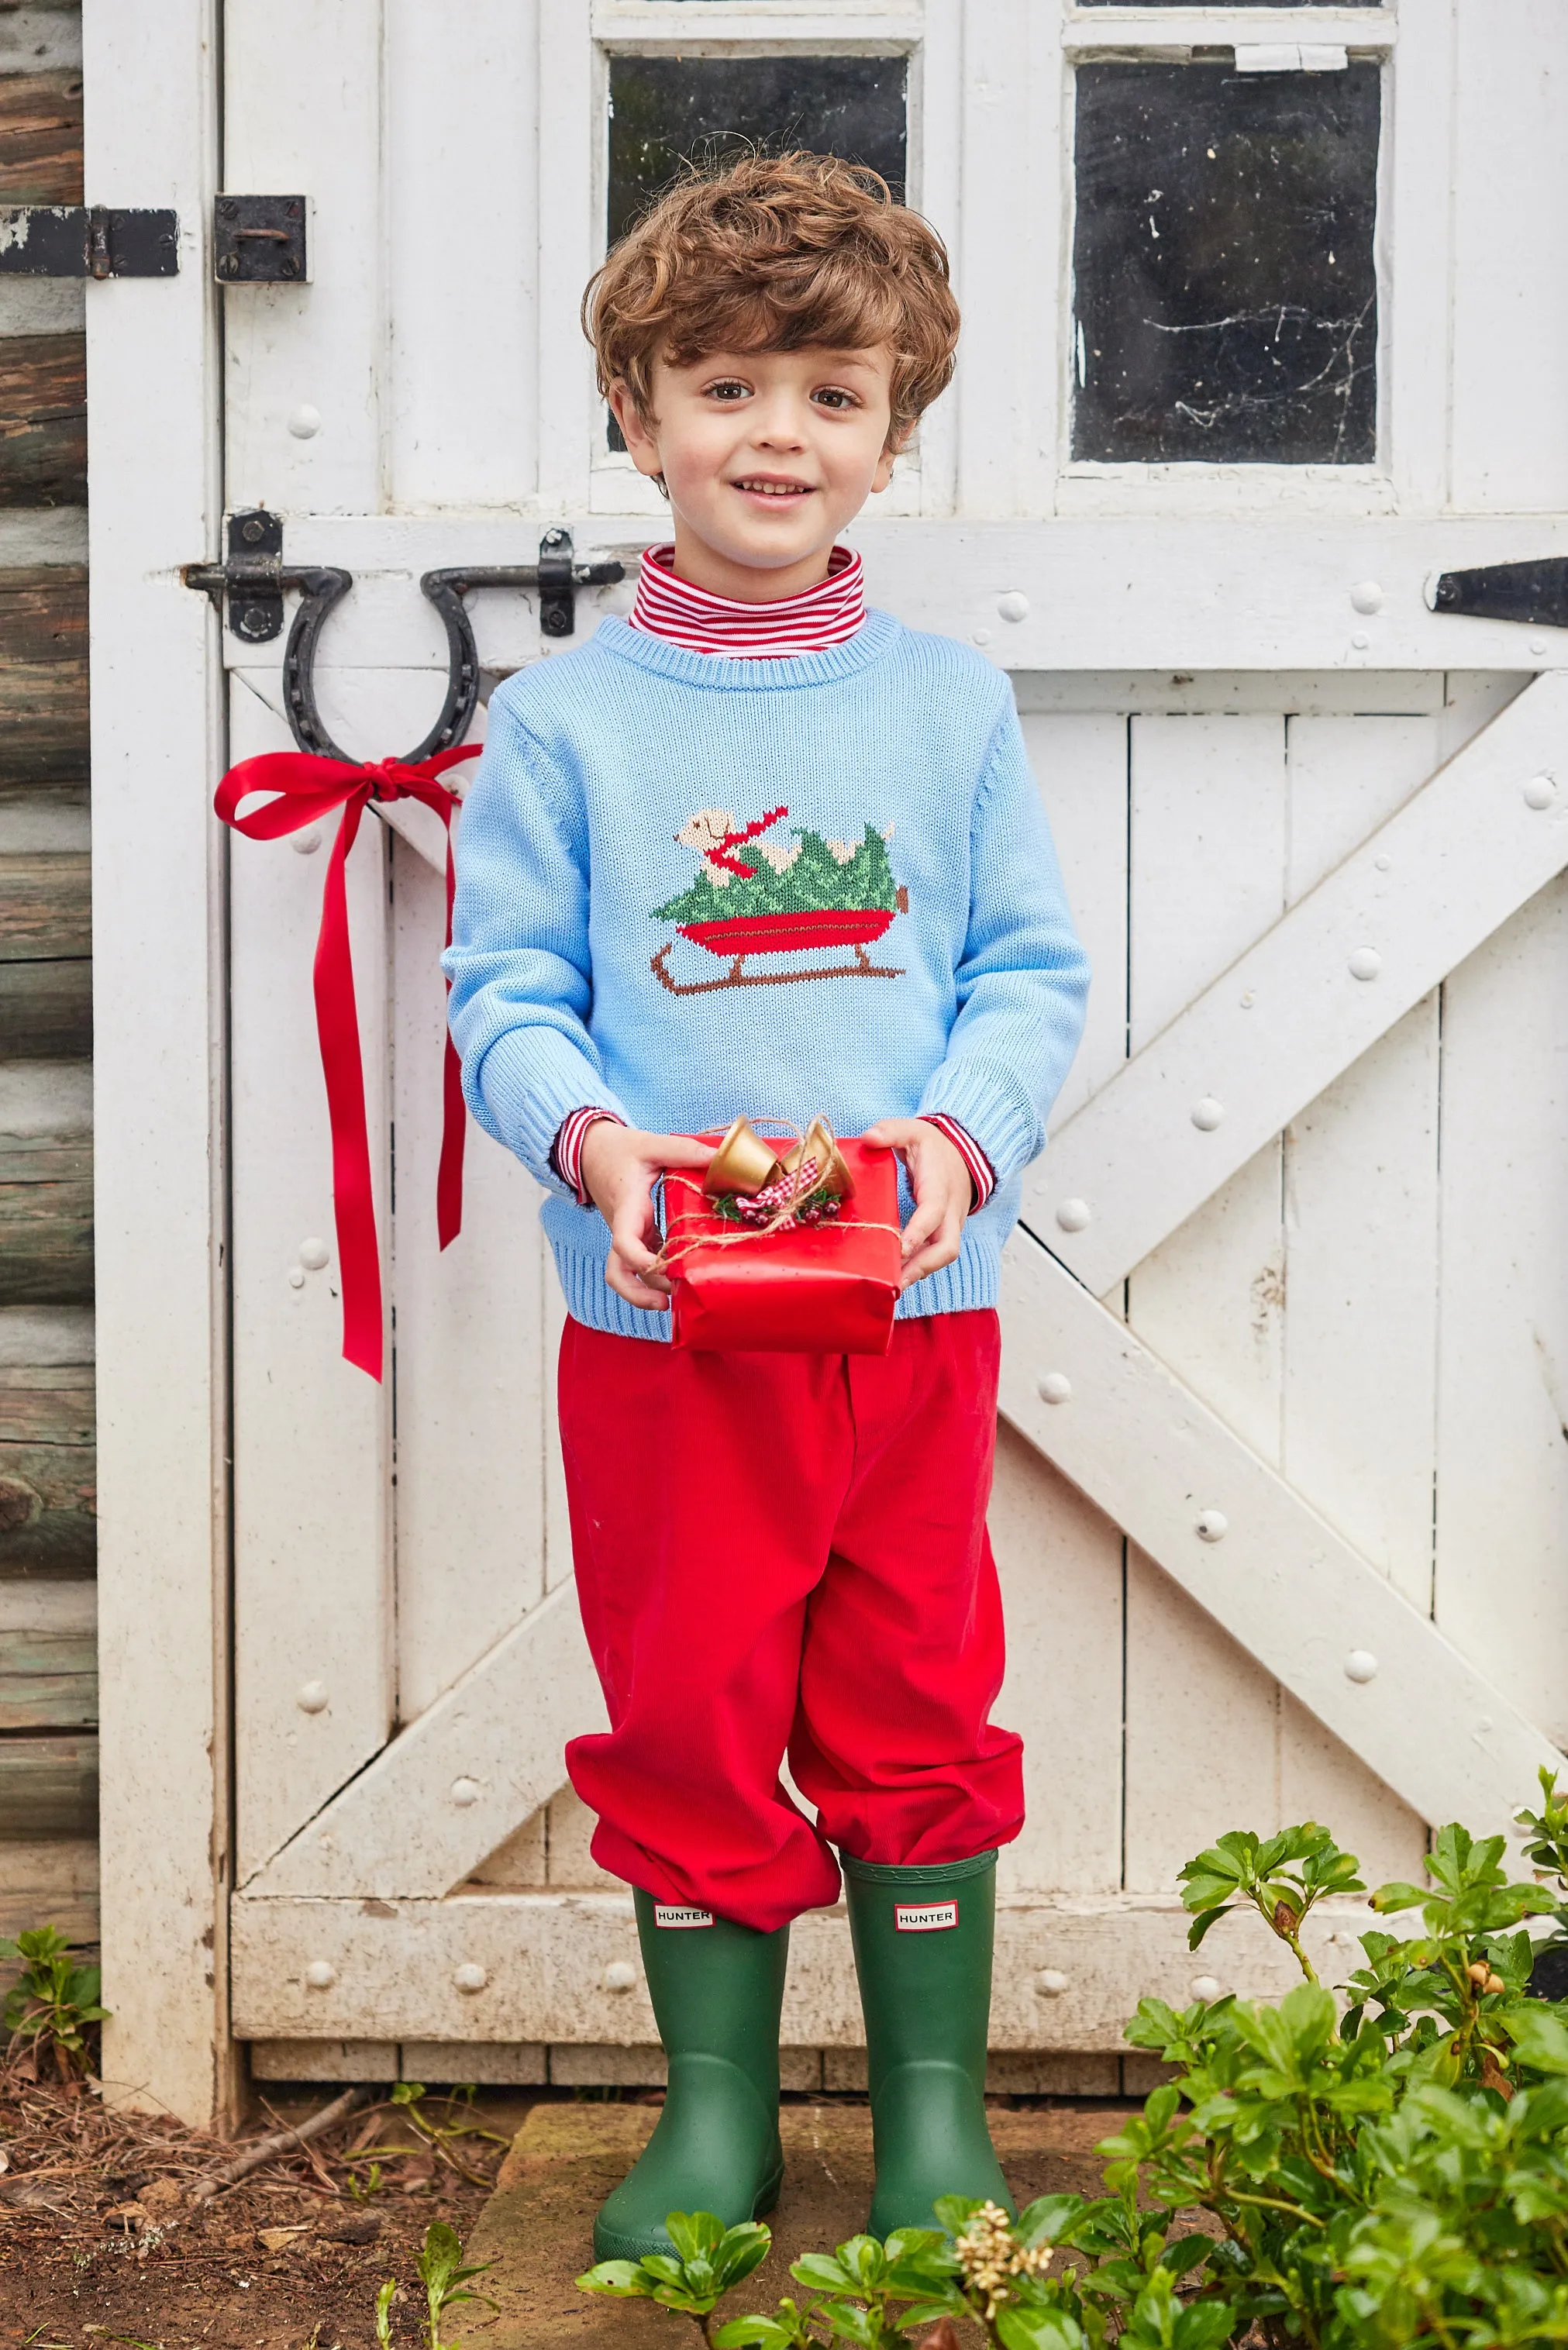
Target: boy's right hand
620,1166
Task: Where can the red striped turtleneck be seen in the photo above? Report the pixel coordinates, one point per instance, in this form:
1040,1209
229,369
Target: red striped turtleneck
828,614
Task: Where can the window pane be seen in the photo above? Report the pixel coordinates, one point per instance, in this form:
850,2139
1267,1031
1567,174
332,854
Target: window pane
665,111
1226,289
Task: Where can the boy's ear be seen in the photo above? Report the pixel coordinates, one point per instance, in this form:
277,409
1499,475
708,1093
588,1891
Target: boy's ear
896,442
635,429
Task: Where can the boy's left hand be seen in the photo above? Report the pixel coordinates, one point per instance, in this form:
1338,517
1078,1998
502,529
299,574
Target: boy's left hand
942,1189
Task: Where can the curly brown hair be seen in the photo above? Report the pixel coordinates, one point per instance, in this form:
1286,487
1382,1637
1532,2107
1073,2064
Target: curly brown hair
776,252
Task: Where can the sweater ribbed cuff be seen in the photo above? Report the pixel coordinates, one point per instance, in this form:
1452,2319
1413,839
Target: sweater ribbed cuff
991,1107
532,1080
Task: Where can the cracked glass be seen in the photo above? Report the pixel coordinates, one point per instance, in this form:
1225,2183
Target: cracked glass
666,111
1225,279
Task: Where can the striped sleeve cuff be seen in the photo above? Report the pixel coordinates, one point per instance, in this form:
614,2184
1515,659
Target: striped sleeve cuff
567,1151
981,1173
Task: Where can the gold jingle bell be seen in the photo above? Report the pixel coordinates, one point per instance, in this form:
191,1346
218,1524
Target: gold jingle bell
743,1163
819,1142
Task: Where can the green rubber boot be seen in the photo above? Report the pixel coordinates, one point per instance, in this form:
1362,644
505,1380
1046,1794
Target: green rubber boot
922,1949
717,1991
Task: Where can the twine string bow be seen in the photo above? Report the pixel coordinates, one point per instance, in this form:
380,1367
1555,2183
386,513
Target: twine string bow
307,789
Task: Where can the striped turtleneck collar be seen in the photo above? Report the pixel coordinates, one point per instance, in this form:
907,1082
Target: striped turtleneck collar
828,614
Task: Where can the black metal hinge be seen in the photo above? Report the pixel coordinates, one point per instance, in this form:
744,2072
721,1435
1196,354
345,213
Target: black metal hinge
1534,594
255,575
88,240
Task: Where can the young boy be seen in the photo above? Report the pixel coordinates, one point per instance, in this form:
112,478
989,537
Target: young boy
776,1553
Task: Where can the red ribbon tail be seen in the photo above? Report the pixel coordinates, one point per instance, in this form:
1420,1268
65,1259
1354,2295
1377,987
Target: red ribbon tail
453,1134
353,1199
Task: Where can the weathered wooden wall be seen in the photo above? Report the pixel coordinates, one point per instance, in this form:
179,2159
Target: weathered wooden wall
48,1684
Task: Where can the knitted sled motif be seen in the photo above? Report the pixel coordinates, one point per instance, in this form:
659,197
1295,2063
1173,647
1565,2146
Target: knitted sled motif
758,897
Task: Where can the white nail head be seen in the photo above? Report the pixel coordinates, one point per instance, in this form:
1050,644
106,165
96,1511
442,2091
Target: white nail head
1208,1988
1539,792
314,1254
1212,1525
1361,1665
621,1975
1014,606
1208,1114
1360,640
1055,1388
320,1974
1366,963
981,637
1384,864
1248,998
296,1276
303,843
311,1696
1538,644
1073,1215
1366,595
1051,1982
470,1976
465,1792
305,422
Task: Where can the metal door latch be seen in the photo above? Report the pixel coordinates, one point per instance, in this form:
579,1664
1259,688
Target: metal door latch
88,240
1534,594
261,240
255,575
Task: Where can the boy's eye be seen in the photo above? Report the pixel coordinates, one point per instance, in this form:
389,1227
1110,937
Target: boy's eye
731,388
830,396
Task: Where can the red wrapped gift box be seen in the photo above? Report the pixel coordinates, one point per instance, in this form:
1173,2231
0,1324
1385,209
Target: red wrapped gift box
821,1289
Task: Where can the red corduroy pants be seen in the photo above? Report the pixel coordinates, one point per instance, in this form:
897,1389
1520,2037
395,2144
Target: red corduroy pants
787,1554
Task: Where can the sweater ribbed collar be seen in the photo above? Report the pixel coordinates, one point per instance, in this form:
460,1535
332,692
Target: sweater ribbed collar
719,672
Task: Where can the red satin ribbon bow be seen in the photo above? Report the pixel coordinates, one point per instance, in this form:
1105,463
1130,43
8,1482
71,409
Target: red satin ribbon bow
307,789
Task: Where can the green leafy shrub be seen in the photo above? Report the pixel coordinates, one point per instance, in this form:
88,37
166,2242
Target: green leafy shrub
1394,2177
53,2005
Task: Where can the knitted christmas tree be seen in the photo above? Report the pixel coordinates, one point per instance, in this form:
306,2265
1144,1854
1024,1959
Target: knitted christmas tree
811,876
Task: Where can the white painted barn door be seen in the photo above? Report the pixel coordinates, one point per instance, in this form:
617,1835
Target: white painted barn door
1281,1505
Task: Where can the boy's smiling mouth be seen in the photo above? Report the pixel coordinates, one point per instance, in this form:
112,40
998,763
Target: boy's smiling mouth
771,485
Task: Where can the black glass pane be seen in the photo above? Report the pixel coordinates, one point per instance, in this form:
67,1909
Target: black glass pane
1226,289
666,111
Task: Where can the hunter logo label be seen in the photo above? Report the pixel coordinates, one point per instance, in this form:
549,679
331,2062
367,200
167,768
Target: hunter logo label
925,1916
674,1913
792,894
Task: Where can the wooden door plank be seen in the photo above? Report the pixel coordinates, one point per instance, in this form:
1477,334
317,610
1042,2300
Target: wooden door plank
471,1366
461,407
1151,1454
1207,832
1502,1416
313,1596
545,1957
312,125
461,1779
1290,1014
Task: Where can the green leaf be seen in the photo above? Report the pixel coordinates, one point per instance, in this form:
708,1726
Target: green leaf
694,2234
756,2334
738,2252
1037,2329
849,2323
1540,2036
624,2279
955,2211
822,2272
1047,2219
1394,1896
1200,1925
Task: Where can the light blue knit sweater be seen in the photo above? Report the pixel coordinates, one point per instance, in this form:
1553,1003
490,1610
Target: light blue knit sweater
568,988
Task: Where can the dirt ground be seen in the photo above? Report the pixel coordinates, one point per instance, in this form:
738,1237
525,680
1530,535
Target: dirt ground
101,2241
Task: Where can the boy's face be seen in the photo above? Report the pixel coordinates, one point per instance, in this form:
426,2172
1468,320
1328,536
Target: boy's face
766,456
